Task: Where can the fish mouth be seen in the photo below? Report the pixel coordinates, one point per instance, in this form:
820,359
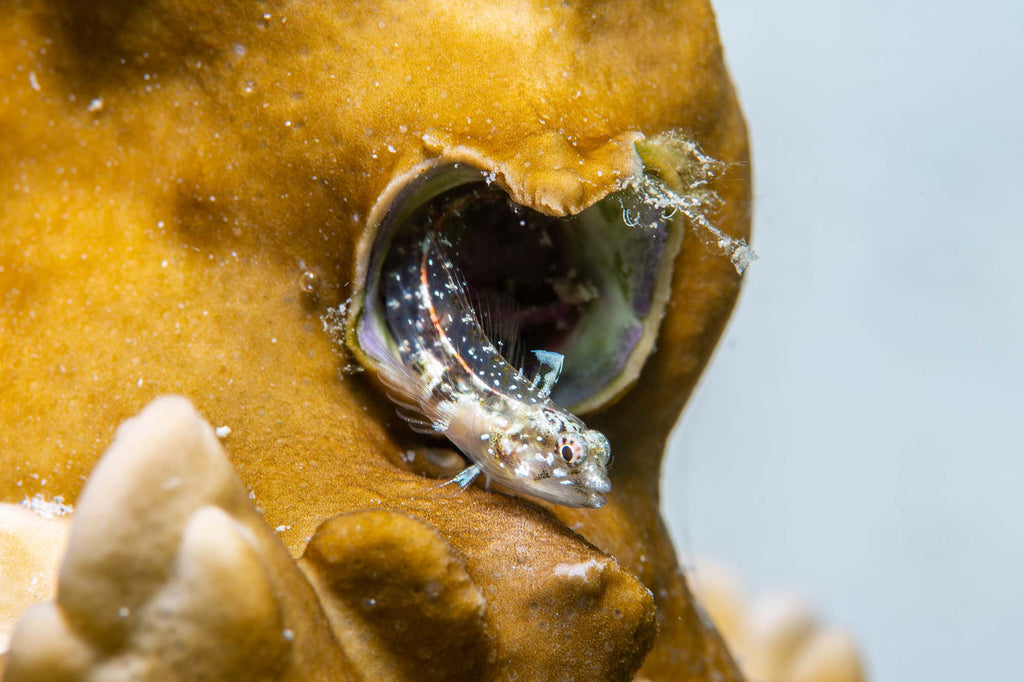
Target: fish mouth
584,493
592,286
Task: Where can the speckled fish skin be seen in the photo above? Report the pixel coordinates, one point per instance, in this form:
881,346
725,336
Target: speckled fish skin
468,391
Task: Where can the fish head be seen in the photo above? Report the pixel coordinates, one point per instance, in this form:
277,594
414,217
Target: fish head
552,455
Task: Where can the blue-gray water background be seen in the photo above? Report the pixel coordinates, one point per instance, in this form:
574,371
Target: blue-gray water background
859,435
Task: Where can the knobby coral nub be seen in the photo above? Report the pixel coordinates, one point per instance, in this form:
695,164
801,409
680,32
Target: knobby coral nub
171,573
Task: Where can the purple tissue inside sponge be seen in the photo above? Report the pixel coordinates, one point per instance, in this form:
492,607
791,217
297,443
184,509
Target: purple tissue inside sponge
643,286
578,382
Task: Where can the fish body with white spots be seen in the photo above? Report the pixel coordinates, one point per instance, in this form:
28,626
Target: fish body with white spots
448,377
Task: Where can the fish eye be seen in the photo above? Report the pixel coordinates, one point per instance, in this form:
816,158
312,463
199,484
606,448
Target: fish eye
570,450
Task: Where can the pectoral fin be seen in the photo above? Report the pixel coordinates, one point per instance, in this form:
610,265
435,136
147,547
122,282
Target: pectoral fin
466,476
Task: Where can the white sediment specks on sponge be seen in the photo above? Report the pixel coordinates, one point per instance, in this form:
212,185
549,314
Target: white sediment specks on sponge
48,509
333,321
223,431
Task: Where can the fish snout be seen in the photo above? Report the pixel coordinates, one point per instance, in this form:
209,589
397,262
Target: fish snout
597,481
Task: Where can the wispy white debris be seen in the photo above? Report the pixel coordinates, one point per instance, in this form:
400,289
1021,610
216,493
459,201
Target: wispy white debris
288,634
95,105
33,82
223,431
697,200
281,529
48,509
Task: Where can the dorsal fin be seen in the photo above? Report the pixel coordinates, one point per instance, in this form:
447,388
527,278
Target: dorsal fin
499,321
441,250
495,313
